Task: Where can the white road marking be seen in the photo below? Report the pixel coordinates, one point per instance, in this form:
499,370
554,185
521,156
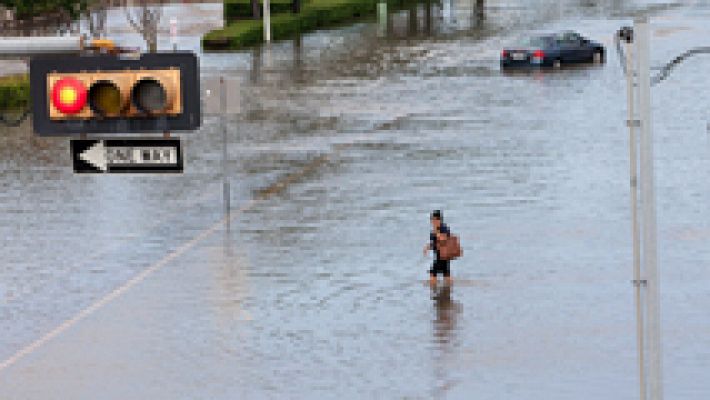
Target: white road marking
123,288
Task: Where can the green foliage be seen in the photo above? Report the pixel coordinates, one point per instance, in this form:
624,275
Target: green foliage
241,9
14,92
314,14
29,8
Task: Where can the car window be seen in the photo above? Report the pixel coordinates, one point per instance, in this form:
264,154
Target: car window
569,38
537,41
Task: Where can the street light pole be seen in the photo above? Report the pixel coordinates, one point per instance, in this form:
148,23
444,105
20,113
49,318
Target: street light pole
648,211
633,123
650,350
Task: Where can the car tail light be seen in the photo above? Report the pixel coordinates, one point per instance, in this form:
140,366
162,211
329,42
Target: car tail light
504,54
539,54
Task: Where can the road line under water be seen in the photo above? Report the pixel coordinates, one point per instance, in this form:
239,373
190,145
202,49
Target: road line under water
123,288
263,194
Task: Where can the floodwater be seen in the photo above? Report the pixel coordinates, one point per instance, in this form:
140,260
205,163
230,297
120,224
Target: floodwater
137,287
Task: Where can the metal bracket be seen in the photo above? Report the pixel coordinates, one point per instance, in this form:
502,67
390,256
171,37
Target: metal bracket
639,282
633,123
626,34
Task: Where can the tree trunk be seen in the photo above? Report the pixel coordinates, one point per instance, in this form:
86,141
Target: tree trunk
296,6
152,45
145,21
255,9
480,12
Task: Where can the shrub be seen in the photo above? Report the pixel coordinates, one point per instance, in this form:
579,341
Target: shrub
241,9
14,92
29,8
314,14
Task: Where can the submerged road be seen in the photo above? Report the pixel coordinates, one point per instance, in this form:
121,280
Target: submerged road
128,287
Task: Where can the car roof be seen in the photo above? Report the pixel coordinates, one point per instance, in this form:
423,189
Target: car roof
542,36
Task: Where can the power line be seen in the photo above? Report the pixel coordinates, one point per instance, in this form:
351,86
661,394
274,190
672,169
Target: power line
666,70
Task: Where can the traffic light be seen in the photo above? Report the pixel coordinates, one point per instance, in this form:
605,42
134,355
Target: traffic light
157,92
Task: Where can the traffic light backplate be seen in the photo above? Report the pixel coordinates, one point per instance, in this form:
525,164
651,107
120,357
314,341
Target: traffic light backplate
157,92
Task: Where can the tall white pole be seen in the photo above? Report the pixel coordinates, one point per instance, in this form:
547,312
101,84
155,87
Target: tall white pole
13,47
382,18
632,123
648,204
267,21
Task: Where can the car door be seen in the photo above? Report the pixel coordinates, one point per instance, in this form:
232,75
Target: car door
574,47
567,50
587,50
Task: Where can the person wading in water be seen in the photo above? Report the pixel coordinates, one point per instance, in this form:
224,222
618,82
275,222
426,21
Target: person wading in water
439,232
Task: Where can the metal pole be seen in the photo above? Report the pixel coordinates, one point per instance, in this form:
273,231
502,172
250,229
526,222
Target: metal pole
267,21
13,47
648,204
173,32
632,123
225,182
382,18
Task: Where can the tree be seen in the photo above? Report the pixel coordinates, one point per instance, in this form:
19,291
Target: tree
25,9
96,18
145,19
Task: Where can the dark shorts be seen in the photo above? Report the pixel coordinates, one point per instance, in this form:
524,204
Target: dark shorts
440,267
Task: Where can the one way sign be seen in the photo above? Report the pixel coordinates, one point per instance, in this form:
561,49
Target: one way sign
127,155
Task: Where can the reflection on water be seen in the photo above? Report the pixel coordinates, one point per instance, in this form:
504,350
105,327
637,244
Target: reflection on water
446,311
444,324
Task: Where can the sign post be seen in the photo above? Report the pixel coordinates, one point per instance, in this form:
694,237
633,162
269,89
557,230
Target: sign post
222,99
226,192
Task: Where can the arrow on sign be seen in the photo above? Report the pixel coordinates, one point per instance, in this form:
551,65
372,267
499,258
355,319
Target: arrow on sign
127,155
95,155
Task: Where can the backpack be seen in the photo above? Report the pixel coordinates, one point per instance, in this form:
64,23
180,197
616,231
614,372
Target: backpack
449,249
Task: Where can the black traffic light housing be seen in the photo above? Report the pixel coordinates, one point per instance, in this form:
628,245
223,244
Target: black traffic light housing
157,92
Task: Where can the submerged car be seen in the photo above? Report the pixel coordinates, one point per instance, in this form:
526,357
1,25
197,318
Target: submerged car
552,50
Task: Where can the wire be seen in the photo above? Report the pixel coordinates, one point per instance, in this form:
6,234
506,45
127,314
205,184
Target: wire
627,34
666,70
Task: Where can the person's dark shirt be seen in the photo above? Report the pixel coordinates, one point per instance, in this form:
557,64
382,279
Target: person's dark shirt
432,237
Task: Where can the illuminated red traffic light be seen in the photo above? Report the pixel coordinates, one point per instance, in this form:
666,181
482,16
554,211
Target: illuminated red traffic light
69,95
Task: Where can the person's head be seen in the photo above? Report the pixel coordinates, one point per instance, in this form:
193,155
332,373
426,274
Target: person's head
436,219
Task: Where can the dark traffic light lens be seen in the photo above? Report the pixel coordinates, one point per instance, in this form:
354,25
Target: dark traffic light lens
149,96
105,99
